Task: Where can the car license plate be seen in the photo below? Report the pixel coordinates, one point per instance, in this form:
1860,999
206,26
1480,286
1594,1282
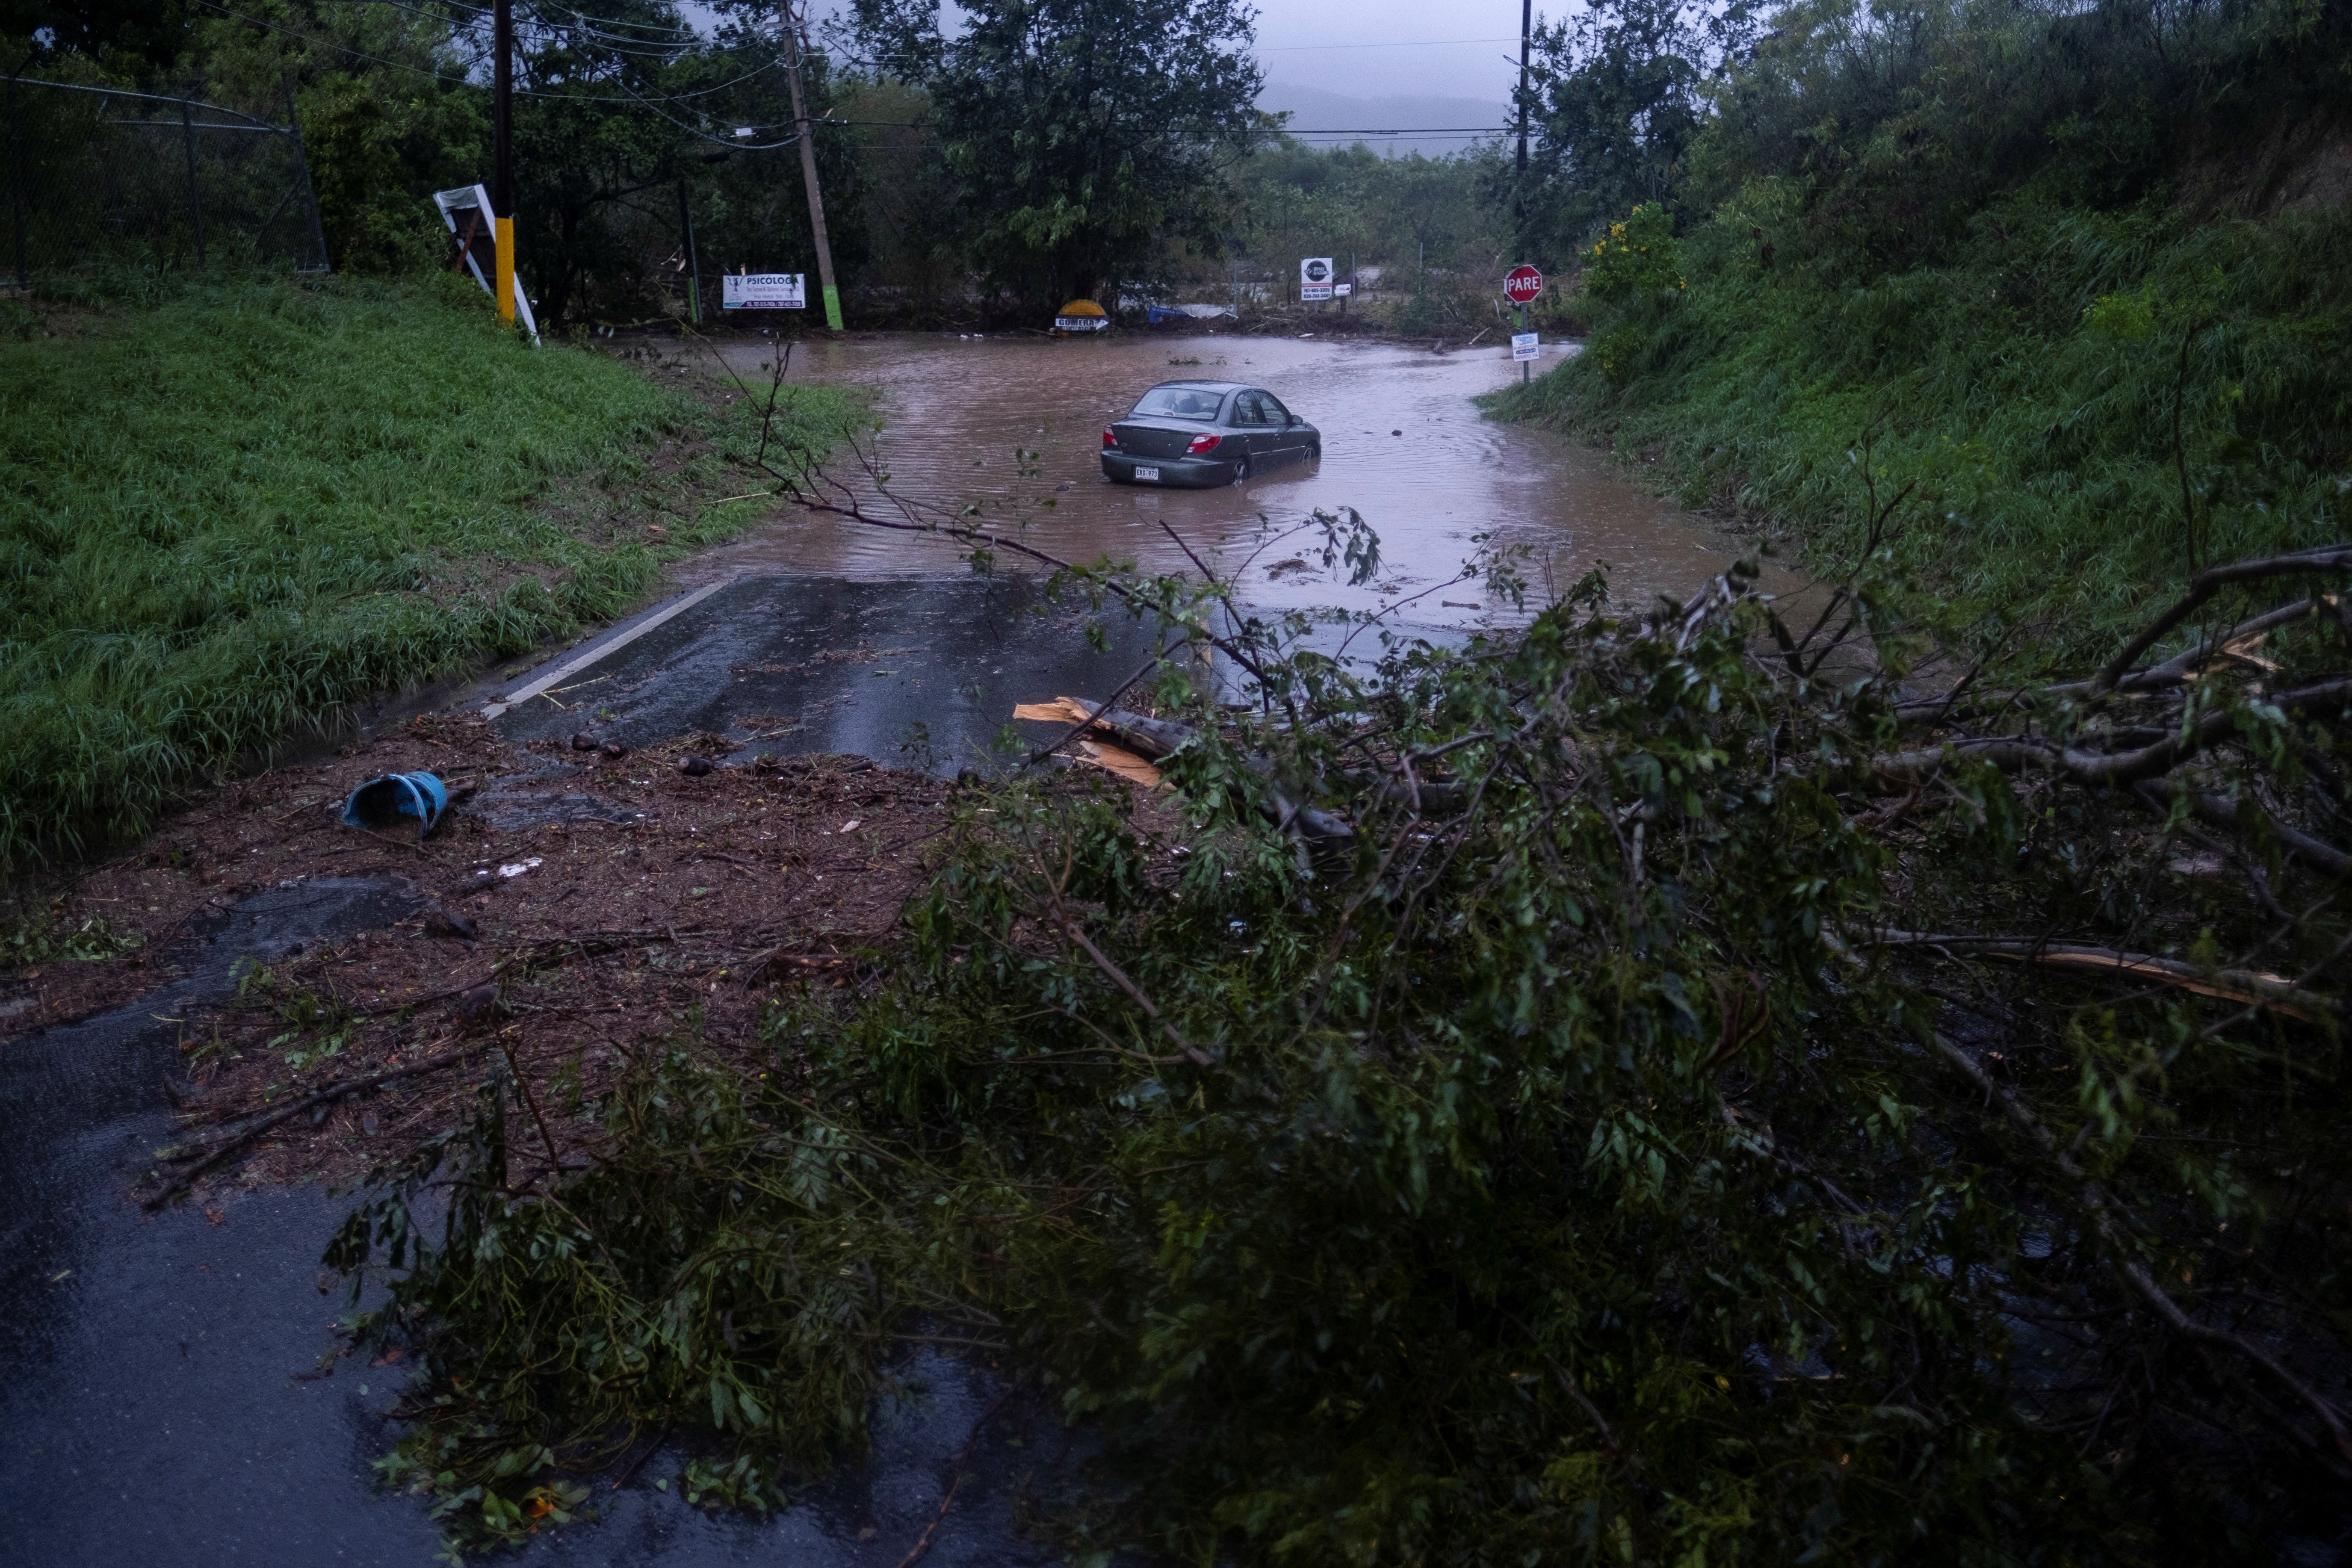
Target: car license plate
1149,475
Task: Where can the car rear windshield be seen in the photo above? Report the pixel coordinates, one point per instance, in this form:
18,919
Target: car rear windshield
1181,402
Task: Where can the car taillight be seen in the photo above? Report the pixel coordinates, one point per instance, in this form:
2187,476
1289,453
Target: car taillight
1110,436
1204,444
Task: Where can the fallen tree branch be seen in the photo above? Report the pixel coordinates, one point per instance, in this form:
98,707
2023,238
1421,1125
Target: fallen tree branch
2176,671
2209,581
1074,730
2272,991
333,1092
2015,753
2222,812
1117,977
955,1481
1157,737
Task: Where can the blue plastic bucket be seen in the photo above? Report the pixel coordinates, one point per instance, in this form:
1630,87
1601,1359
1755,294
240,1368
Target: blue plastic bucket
382,803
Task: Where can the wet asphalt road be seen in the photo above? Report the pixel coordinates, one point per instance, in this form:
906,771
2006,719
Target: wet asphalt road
913,672
149,1410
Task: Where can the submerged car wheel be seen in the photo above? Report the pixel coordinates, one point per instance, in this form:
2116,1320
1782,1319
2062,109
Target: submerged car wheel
1241,470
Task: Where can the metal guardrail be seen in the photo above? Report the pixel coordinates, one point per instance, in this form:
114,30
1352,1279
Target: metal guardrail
98,173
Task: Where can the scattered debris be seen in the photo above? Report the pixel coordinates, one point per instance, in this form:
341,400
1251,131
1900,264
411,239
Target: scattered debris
599,949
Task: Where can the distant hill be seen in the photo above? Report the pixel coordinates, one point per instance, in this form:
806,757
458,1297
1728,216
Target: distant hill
1313,109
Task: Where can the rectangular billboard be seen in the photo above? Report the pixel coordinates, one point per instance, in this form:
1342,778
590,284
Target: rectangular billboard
763,290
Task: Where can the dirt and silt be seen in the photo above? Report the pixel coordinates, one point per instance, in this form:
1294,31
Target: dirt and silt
571,908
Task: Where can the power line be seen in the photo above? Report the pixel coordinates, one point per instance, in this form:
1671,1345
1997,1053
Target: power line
1395,43
705,135
521,92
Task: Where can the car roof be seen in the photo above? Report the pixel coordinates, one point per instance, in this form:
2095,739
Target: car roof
1207,386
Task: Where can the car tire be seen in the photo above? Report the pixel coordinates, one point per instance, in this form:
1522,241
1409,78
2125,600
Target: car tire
1241,471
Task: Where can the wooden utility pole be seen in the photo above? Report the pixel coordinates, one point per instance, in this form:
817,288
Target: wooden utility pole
795,44
502,151
1519,190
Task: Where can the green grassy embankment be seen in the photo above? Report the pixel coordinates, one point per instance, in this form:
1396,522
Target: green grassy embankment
2025,388
227,514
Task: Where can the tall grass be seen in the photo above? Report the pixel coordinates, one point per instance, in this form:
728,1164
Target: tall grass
2026,389
227,511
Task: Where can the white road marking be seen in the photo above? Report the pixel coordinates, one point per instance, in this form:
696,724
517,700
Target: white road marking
516,699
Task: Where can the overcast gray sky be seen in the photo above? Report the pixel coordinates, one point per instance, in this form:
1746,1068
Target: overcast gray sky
1380,48
1384,48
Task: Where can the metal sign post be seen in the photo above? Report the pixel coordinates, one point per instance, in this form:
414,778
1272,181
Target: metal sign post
1521,286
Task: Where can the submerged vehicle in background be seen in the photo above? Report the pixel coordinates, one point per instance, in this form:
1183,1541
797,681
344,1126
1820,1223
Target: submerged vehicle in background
1195,434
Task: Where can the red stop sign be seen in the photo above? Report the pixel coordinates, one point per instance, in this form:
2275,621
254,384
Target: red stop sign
1522,284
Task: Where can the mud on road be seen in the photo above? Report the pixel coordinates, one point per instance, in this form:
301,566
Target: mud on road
613,903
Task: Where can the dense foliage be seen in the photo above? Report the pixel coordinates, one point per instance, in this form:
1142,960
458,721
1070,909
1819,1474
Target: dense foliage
1073,131
1616,98
624,121
2076,275
1581,1156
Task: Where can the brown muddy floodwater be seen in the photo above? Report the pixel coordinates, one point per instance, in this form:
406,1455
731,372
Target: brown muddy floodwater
1402,444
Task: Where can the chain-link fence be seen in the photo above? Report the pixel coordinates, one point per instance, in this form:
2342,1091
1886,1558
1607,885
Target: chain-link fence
94,174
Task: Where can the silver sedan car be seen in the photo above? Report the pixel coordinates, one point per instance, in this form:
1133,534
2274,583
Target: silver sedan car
1201,433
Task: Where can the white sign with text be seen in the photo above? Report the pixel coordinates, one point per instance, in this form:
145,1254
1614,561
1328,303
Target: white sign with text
763,291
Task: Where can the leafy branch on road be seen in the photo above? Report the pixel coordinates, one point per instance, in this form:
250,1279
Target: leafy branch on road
1715,1091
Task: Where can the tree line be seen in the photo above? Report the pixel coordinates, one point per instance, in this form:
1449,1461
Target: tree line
1052,148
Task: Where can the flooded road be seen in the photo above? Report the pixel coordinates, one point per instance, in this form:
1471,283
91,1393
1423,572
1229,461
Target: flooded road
1403,445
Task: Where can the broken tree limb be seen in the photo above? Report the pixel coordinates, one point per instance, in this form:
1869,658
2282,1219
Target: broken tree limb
1154,739
2179,670
1066,736
2273,991
2222,812
1119,977
2209,581
234,1142
2015,753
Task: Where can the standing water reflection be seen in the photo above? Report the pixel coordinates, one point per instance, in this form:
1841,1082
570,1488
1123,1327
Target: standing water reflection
1403,445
